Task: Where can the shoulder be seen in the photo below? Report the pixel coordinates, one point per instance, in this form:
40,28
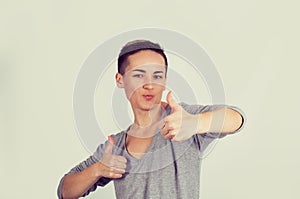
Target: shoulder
192,109
198,108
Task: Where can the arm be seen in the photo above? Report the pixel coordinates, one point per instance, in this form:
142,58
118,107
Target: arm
77,184
222,120
181,125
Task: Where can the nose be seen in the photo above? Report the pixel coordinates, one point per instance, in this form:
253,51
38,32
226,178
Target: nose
148,86
148,83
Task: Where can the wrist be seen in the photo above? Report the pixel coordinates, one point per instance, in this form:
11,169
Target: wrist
98,169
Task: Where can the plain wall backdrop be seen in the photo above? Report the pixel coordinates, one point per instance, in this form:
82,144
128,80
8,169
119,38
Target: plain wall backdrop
254,44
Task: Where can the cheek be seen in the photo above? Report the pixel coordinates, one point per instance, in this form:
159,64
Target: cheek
131,88
160,86
160,83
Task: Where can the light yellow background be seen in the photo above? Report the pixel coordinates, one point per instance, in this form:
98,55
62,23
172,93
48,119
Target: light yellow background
254,44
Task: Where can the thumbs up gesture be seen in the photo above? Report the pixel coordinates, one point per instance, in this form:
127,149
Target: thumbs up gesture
112,166
179,125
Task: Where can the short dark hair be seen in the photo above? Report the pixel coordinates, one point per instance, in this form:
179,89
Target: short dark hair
135,46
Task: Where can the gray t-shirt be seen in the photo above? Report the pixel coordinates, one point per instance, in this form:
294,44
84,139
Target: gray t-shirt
167,170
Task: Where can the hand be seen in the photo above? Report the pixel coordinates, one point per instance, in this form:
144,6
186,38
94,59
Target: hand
179,125
112,166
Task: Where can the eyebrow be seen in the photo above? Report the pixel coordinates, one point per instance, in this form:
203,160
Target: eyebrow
139,70
143,71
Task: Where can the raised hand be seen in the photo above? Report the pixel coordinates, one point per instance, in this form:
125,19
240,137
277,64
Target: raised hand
112,166
179,125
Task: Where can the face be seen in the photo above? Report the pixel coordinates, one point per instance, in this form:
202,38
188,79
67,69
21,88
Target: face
144,80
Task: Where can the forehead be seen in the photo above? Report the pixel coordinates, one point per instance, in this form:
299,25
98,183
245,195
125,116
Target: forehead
145,58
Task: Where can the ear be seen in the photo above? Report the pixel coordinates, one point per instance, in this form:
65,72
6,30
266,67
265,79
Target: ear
119,80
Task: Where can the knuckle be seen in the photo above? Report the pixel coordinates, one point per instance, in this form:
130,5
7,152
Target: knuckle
111,170
167,119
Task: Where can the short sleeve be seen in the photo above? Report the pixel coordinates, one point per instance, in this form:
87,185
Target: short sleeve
85,164
210,138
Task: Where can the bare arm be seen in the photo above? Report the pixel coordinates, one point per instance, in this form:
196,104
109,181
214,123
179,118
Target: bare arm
223,120
77,184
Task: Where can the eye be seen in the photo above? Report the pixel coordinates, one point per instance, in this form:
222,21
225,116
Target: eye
138,75
158,76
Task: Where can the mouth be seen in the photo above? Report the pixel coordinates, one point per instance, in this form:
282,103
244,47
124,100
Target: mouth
148,97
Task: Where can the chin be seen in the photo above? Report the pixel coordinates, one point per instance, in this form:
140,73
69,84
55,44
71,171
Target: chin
149,106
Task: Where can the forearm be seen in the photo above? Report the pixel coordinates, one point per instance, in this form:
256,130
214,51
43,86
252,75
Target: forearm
76,184
223,120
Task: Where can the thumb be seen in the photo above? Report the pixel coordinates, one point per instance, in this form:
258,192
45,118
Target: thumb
110,145
172,103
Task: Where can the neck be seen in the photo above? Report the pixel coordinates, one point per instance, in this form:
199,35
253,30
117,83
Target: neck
145,118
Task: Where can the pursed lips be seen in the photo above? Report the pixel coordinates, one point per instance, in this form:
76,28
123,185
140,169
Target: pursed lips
148,96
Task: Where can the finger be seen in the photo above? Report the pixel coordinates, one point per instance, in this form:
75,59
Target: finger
109,171
119,165
168,136
115,173
172,119
175,139
172,103
171,125
114,167
110,145
121,159
166,129
117,170
117,159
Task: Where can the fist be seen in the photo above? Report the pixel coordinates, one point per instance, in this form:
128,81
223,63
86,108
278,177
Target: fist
112,166
179,125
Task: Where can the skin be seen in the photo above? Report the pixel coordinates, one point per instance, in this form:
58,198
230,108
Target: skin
145,75
144,82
